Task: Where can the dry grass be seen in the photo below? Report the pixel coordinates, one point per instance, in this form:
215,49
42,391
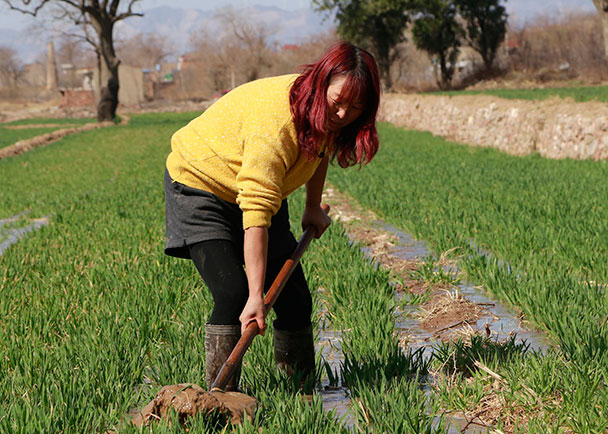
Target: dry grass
448,310
567,47
498,405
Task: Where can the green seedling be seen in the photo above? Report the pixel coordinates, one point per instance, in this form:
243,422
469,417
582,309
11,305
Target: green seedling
433,273
460,356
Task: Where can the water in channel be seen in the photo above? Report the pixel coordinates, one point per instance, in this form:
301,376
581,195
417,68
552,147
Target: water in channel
9,235
497,319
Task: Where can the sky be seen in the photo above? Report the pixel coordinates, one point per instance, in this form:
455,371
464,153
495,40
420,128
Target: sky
15,20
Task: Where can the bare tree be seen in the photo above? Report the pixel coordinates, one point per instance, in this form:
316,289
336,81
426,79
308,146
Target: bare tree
248,37
211,65
98,17
288,58
11,69
551,48
144,50
602,9
240,53
71,55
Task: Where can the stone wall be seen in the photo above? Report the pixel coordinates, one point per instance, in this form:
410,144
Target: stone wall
555,128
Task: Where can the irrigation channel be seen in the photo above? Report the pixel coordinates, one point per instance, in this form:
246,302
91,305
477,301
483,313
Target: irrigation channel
12,229
458,310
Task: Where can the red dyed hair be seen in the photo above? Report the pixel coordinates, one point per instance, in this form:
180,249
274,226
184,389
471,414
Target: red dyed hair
358,141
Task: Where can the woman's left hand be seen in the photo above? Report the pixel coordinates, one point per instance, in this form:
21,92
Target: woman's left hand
316,217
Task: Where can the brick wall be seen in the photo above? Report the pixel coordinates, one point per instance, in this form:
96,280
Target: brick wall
77,98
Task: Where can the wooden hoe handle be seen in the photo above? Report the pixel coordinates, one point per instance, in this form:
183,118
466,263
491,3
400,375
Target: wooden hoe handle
273,293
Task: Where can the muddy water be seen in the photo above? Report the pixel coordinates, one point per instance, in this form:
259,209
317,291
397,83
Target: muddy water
408,247
335,396
10,235
498,319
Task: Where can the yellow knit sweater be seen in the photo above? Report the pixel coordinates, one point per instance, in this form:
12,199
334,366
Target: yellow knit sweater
244,149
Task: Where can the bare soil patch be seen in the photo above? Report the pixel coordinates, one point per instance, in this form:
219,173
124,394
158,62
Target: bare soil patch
18,110
187,400
30,126
447,311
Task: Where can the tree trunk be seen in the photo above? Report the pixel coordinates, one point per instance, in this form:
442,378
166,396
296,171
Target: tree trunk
108,91
108,72
445,79
602,9
384,64
488,63
385,67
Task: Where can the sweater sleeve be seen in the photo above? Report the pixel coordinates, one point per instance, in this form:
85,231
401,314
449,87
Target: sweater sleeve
260,180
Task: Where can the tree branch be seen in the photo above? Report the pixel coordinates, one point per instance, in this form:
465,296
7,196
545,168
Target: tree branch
601,5
128,13
26,11
72,3
113,7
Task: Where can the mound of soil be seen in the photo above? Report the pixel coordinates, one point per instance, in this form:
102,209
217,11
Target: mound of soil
187,400
445,312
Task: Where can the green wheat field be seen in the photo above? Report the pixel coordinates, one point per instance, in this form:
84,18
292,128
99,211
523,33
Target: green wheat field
95,319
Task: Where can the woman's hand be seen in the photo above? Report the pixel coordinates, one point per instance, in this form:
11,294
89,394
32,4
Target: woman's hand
255,250
315,216
253,311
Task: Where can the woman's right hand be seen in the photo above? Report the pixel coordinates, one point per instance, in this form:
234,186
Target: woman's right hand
253,311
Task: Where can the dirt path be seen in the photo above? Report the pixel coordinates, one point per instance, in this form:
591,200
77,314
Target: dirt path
30,126
45,139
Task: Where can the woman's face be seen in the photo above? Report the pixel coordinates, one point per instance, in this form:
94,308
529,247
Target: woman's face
340,113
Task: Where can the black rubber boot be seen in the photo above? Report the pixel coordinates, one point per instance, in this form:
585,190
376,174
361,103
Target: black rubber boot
294,354
219,342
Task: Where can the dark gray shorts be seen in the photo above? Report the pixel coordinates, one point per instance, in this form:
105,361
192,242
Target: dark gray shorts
194,215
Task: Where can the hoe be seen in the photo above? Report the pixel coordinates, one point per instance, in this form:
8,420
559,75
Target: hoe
186,400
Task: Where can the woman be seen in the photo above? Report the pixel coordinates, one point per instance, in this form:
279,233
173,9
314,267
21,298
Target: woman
227,179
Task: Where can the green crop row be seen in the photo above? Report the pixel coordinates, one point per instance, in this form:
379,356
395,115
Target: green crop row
94,318
543,225
577,93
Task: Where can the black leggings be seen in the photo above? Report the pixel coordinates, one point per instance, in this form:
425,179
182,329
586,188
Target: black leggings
220,263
